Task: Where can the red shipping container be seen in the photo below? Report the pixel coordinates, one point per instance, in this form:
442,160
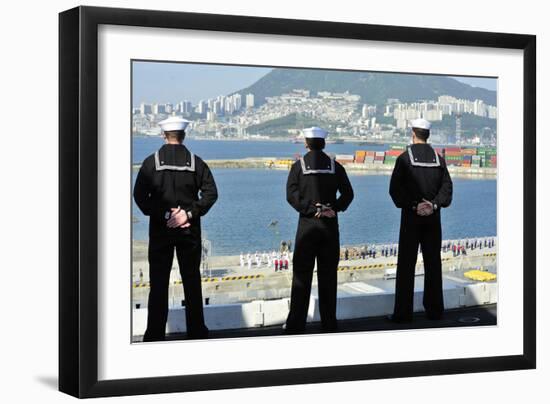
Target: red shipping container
469,151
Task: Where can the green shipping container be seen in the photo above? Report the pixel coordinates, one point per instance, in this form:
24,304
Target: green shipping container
398,147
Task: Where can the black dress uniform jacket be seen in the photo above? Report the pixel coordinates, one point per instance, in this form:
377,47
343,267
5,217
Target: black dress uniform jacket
419,173
308,184
172,177
169,178
316,178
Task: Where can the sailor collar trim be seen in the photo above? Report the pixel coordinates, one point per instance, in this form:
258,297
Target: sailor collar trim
190,164
307,170
414,160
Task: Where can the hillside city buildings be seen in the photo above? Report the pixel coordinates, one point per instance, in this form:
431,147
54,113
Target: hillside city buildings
238,116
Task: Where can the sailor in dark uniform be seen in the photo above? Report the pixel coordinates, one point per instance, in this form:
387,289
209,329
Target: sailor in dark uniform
420,185
174,188
312,187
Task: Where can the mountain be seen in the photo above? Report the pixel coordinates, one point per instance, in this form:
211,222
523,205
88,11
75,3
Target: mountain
373,87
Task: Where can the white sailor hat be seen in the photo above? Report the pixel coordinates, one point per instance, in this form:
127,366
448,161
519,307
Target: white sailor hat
173,123
421,124
315,132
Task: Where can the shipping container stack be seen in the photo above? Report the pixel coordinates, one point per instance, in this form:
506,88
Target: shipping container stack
476,161
360,156
454,156
344,158
467,160
488,156
391,156
369,157
469,157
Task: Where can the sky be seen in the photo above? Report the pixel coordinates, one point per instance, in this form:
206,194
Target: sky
489,84
173,82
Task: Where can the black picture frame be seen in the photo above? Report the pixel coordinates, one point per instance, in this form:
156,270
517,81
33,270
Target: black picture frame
78,206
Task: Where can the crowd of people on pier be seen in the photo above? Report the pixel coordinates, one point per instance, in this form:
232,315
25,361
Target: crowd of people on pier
368,251
461,247
276,260
279,260
457,247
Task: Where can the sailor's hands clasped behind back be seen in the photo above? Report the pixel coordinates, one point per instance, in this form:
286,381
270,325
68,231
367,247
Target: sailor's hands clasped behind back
178,218
324,211
424,208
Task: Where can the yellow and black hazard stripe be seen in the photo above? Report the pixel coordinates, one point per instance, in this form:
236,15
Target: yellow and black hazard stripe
241,277
209,280
364,267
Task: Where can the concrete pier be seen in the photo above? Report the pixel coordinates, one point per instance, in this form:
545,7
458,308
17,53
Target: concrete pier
226,282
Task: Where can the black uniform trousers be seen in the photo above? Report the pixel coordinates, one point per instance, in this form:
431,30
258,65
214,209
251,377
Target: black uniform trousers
316,239
161,256
424,231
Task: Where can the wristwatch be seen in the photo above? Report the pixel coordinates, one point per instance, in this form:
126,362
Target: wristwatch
189,215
